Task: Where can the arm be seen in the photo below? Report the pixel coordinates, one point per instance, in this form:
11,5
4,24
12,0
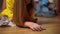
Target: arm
21,17
4,4
18,11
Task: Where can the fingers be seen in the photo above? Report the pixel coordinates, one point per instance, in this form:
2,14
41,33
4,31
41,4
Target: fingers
36,28
32,28
39,29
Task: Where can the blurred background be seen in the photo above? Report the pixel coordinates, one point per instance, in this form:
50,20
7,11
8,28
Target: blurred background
46,8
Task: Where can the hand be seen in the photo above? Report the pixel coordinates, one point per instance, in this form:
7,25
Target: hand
33,26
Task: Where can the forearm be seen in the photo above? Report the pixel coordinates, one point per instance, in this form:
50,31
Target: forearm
18,17
4,4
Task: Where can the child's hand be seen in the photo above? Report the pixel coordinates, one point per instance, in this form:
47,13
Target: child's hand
33,26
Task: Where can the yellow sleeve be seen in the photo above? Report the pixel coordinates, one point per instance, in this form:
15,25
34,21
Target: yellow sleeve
8,11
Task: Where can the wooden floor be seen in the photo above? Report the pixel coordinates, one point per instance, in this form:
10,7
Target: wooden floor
52,26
